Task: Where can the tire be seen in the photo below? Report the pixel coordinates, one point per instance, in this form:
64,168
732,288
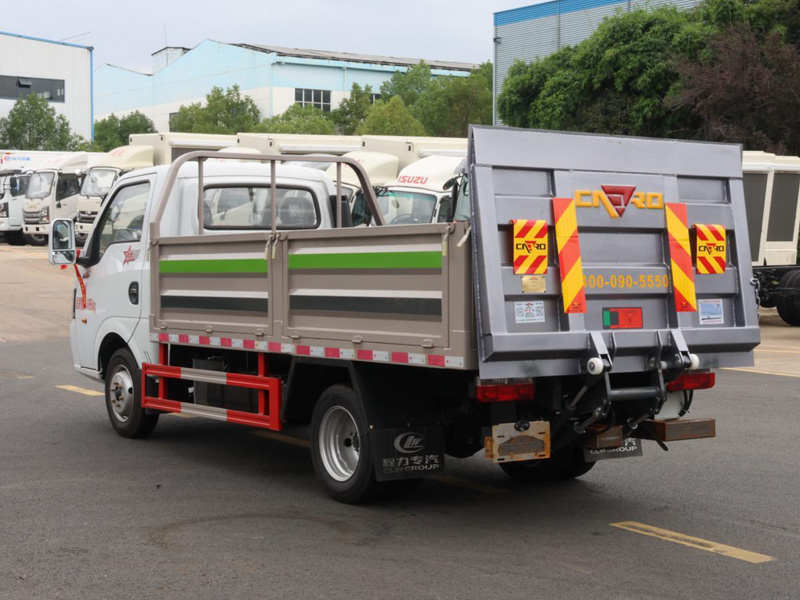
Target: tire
576,466
789,305
539,471
124,397
35,239
14,238
768,302
340,450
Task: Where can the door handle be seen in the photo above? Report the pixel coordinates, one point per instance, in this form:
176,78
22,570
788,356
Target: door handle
133,292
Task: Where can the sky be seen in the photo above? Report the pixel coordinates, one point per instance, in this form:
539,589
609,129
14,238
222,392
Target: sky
127,33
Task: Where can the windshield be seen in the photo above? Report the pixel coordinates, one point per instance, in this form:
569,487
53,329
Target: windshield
406,208
18,184
40,185
463,211
98,182
68,185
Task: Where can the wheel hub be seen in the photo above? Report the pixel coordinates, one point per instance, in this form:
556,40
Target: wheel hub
339,444
121,394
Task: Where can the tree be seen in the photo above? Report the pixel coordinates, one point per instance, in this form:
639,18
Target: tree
298,119
32,124
445,105
224,112
451,104
391,117
745,91
113,132
615,81
353,110
409,85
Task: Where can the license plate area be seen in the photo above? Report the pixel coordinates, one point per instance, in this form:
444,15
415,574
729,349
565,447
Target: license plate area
507,444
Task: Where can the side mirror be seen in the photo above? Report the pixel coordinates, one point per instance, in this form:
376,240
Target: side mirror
449,183
62,242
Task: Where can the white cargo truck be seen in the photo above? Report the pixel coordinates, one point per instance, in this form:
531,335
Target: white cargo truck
422,192
169,146
16,167
410,149
286,143
772,198
569,318
53,192
100,178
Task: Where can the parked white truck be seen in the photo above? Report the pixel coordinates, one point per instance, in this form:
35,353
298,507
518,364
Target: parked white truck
772,195
422,192
169,146
569,318
53,192
100,178
16,167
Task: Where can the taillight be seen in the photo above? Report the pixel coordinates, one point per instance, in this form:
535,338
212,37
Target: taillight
692,381
504,392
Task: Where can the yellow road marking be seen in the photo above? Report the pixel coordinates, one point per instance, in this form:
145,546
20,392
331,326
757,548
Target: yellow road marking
279,437
760,372
80,390
470,485
693,542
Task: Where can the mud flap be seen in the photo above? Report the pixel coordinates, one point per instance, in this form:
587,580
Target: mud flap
408,453
631,447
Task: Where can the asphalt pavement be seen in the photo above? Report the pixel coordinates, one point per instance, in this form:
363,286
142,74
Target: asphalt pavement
203,509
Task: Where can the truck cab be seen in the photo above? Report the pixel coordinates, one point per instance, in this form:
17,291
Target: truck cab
381,168
422,192
13,184
100,178
52,193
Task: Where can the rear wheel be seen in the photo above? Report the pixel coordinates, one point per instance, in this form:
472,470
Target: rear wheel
789,304
124,397
566,463
341,449
35,239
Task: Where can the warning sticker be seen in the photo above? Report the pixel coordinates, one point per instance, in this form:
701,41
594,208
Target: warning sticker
529,312
710,312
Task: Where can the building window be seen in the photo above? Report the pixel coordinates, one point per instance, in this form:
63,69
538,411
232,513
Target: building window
13,87
319,98
374,98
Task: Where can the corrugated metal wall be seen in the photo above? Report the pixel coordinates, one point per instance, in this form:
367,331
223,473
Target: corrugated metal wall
532,32
24,57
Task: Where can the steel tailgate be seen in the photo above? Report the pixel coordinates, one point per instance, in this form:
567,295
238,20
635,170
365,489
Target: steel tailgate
516,174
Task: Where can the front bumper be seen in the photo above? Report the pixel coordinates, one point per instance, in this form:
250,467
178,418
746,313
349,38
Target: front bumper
37,229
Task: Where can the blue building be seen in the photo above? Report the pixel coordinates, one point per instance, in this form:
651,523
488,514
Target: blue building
274,77
532,32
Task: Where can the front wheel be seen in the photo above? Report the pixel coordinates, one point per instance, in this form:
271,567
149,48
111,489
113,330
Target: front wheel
124,397
789,304
341,448
35,239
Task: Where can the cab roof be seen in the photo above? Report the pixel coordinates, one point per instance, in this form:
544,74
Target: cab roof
429,173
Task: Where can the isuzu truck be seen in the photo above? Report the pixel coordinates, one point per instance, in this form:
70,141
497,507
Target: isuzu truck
100,178
572,315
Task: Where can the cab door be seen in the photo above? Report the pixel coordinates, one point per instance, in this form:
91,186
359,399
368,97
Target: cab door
113,282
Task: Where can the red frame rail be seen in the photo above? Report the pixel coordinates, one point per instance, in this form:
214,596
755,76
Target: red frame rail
270,392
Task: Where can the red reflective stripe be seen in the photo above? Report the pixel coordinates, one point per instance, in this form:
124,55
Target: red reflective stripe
364,354
717,231
163,337
205,340
536,262
525,229
304,350
436,360
250,344
274,346
400,357
332,352
183,338
706,264
226,342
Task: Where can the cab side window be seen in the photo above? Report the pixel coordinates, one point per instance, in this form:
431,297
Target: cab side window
123,218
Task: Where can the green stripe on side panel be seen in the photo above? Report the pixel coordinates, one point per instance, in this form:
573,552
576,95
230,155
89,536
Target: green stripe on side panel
367,260
220,265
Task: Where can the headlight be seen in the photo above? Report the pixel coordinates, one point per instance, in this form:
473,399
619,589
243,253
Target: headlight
4,210
45,215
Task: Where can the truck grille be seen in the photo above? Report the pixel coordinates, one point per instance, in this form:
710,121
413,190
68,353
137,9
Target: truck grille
86,217
31,218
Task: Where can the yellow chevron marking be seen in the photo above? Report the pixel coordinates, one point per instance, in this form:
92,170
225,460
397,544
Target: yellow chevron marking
573,283
678,231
